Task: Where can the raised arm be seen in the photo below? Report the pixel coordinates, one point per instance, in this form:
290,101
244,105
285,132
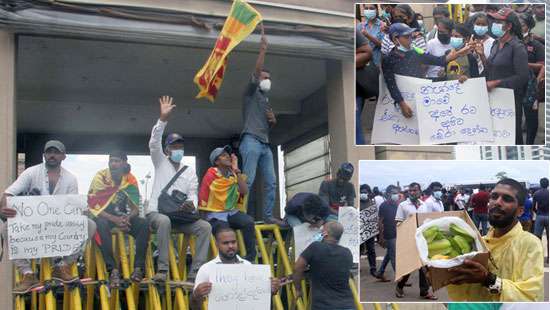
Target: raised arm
261,55
155,143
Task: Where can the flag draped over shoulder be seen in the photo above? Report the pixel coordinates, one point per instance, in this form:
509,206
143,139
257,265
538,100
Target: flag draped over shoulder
103,190
242,20
219,194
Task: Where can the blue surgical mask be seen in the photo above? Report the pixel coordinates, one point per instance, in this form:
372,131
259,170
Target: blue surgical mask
480,30
457,43
370,14
176,156
438,195
497,30
318,236
386,15
403,49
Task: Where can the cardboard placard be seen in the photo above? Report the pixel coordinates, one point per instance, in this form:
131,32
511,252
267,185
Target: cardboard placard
390,126
240,287
451,111
46,226
303,236
349,218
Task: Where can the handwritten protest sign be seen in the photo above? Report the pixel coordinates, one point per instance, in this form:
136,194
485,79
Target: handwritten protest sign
451,111
390,126
240,287
349,218
503,112
46,226
304,235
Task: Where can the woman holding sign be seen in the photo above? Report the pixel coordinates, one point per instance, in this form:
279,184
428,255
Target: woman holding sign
507,65
407,60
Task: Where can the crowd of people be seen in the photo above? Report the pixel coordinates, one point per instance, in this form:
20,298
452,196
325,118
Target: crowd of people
502,43
503,213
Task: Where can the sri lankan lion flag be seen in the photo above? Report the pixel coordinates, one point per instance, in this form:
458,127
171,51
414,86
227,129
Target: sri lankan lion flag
242,20
103,190
220,194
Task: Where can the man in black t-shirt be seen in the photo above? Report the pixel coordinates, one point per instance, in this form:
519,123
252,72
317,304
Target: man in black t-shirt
340,191
388,230
329,265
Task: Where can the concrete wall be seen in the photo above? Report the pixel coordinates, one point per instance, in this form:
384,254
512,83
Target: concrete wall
7,140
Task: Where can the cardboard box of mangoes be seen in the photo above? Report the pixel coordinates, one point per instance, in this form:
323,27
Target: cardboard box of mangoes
438,241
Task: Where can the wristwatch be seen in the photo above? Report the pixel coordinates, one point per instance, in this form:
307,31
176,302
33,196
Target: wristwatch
493,283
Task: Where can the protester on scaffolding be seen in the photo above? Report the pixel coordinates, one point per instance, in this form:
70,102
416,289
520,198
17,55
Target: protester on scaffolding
535,85
174,196
222,197
412,205
339,192
255,146
47,178
113,200
407,60
507,65
329,271
308,208
516,268
226,243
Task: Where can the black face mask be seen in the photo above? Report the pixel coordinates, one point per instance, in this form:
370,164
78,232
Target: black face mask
398,19
444,38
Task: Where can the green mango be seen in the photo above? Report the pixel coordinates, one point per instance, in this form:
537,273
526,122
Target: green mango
430,233
453,253
463,243
455,245
442,247
458,231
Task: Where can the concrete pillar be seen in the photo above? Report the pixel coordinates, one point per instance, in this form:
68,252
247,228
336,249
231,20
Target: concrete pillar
341,118
8,141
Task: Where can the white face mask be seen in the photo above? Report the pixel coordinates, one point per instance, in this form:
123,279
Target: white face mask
364,196
265,85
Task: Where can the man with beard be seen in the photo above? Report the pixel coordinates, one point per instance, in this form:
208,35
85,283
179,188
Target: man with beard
226,243
47,178
113,200
516,270
406,209
339,192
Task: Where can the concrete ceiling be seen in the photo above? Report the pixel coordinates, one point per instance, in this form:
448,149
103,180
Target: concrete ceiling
96,87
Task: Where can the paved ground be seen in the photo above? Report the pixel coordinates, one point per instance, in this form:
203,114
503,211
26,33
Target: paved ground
372,290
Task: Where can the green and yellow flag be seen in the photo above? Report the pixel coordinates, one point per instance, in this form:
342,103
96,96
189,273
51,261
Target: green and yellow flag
242,20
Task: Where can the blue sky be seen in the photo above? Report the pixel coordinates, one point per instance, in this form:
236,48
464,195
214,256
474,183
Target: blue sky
382,173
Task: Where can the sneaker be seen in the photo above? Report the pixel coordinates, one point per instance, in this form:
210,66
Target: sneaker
114,278
137,275
63,274
399,292
160,276
26,284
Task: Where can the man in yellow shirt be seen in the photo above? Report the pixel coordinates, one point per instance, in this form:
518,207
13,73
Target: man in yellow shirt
516,268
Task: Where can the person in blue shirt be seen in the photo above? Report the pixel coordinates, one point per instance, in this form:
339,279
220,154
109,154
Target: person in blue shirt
407,61
526,218
371,28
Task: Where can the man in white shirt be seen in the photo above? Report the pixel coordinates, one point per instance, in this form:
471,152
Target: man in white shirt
412,205
226,242
378,198
462,199
434,203
438,46
167,164
47,178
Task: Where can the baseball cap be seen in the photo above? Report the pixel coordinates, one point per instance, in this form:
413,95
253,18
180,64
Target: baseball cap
217,152
400,29
502,14
173,138
58,145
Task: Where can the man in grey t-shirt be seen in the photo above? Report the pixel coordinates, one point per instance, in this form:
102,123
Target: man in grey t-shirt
258,119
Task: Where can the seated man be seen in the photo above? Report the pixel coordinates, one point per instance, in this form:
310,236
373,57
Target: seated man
221,195
226,243
330,270
307,208
47,178
516,267
113,200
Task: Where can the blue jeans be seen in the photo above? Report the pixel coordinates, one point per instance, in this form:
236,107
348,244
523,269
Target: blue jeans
359,136
541,223
389,257
483,218
254,154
